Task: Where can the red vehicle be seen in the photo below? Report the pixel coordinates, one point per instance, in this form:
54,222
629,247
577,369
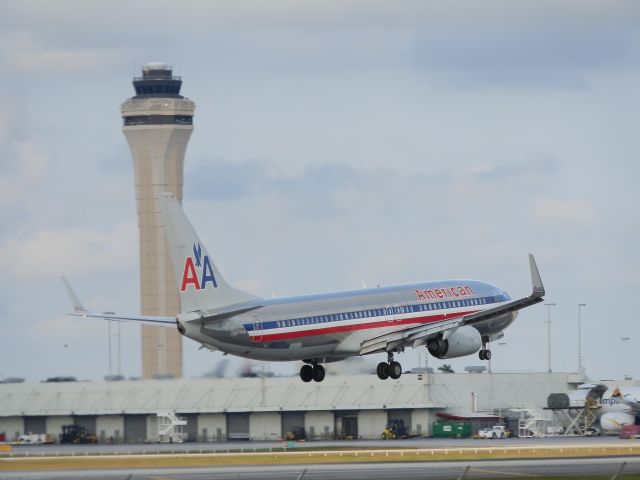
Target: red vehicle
630,431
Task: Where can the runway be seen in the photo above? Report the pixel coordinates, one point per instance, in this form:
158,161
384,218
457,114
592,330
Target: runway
375,471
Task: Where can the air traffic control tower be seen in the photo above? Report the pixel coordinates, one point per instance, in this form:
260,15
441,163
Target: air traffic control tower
158,122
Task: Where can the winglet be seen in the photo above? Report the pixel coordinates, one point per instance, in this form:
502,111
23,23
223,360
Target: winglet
536,281
78,308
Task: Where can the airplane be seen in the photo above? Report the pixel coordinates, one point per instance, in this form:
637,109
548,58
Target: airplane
451,318
620,407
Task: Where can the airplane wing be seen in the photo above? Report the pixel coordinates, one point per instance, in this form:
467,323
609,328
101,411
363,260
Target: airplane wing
418,335
80,311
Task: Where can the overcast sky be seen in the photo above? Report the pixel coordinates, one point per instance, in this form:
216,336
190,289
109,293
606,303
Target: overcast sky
335,143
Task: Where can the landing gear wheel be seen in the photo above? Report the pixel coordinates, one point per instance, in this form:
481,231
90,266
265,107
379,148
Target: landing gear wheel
484,354
306,373
395,370
317,373
383,371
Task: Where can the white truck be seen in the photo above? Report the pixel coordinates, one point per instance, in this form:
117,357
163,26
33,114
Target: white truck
497,431
35,439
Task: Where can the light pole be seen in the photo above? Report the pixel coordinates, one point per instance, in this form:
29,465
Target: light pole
580,366
549,305
626,341
502,344
119,352
109,334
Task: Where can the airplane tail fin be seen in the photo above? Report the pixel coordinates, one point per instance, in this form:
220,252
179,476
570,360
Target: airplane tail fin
201,285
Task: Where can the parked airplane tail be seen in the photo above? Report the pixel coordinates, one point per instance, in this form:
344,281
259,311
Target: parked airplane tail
201,285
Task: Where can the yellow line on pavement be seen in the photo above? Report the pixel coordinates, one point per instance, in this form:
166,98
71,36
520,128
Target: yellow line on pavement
501,472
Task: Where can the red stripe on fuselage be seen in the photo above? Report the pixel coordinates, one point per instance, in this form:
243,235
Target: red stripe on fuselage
264,337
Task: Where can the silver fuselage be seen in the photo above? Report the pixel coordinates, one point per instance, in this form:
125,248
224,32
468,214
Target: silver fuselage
332,326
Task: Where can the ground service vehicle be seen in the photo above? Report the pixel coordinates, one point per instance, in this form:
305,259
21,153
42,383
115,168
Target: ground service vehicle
497,431
630,431
296,433
395,429
35,439
76,434
451,429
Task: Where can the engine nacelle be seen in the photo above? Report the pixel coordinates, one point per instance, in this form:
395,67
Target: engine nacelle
614,421
464,341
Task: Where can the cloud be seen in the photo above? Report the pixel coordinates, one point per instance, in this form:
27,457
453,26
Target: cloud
58,251
567,213
528,44
516,169
25,168
29,52
37,59
342,188
533,54
224,180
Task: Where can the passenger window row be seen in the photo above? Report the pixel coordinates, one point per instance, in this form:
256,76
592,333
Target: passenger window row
379,312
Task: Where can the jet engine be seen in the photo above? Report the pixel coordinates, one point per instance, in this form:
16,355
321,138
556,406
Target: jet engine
464,341
614,421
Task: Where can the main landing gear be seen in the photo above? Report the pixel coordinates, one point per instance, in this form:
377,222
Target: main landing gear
390,369
313,372
484,353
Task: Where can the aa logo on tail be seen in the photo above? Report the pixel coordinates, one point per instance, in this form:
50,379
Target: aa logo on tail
198,271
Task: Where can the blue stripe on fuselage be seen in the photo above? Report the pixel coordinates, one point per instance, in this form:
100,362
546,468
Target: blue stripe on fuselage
377,312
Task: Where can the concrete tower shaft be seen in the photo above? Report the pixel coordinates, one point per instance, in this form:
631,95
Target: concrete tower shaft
157,124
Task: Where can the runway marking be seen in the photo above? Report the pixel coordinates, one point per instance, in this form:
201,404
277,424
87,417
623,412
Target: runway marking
500,472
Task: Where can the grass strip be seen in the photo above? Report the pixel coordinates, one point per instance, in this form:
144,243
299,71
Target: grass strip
309,457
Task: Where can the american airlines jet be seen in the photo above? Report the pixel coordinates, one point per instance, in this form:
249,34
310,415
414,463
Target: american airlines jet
451,318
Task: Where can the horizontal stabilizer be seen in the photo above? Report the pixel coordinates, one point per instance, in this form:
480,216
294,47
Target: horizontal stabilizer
75,301
80,311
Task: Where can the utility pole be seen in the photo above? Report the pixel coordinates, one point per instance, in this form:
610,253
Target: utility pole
580,366
549,305
625,342
109,333
119,352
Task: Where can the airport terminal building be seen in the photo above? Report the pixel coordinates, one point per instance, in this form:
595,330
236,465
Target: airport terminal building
343,406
